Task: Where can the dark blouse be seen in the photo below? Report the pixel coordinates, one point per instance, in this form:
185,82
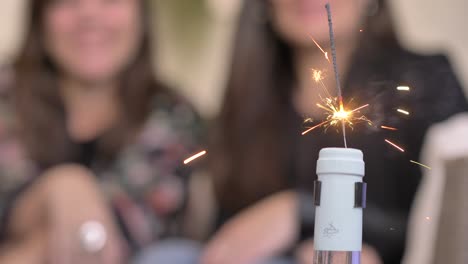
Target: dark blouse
145,183
392,179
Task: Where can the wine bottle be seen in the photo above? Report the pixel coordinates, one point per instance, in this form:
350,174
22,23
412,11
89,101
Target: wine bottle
339,196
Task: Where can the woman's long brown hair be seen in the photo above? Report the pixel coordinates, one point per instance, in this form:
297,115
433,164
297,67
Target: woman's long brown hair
39,108
252,151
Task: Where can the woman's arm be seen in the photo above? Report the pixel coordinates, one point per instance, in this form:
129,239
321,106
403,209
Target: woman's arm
30,249
45,222
26,238
264,230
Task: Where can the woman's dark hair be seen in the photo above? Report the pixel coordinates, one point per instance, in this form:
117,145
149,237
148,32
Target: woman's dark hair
251,151
39,108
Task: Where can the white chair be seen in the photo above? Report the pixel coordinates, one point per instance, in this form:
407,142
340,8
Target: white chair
437,223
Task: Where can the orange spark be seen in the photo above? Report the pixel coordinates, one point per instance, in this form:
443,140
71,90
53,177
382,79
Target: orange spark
314,127
389,128
321,49
395,145
359,108
420,164
194,157
317,75
403,111
403,88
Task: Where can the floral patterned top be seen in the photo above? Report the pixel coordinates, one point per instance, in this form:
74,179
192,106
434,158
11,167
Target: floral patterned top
146,182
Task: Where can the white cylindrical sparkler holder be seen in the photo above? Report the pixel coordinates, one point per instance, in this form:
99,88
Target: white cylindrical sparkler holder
339,199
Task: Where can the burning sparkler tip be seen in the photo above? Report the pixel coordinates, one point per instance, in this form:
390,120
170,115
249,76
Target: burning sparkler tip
337,113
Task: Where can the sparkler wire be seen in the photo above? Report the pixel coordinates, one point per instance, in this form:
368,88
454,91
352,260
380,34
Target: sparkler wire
335,68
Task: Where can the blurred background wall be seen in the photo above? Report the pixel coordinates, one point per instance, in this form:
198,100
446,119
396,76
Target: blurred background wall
194,39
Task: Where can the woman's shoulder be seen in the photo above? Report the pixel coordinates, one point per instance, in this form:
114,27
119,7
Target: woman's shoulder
417,63
172,131
435,89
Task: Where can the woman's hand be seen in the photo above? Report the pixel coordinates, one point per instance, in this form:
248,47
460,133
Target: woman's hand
45,225
29,249
305,254
73,199
260,232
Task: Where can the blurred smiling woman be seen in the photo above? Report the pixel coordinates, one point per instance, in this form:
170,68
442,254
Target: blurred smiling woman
264,168
91,145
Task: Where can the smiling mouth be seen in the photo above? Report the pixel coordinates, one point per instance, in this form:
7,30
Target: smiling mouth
310,10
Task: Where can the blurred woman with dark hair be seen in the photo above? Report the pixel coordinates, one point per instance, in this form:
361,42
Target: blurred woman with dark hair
264,164
91,145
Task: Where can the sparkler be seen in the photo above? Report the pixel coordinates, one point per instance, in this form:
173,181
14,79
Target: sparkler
343,116
335,111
